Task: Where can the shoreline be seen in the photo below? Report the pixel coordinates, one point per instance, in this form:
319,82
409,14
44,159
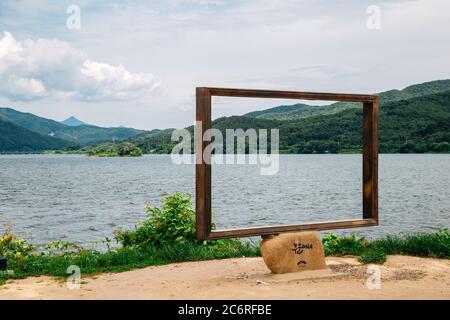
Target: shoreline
402,277
168,154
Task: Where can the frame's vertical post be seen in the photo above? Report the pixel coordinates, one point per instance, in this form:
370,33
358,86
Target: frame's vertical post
370,160
203,165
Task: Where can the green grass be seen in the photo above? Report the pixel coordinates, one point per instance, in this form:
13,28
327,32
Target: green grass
372,255
122,259
436,244
126,258
168,236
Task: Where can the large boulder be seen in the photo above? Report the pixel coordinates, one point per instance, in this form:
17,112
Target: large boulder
293,252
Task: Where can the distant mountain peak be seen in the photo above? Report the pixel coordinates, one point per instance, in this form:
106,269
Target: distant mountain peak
73,122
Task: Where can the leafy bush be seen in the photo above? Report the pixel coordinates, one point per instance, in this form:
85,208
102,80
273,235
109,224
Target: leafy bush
336,245
13,248
173,223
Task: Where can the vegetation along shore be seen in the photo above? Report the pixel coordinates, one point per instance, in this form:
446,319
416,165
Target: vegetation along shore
168,235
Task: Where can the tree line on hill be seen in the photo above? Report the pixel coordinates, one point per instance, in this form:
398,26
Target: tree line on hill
413,120
415,125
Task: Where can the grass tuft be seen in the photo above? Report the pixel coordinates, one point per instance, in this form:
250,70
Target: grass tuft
436,244
122,259
372,255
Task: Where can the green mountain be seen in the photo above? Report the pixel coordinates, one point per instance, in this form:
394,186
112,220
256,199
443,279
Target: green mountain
30,121
89,135
299,111
415,119
155,141
77,135
17,139
418,124
267,113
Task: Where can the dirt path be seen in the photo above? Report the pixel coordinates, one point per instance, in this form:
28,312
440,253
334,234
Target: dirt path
248,278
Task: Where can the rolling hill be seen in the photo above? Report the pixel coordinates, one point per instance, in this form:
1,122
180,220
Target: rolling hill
155,141
418,124
415,119
17,139
76,135
299,111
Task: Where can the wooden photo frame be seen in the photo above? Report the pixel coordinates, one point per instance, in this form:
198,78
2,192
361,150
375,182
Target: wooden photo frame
203,168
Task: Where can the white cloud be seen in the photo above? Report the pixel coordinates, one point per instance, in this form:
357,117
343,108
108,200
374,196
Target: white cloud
310,45
35,69
117,82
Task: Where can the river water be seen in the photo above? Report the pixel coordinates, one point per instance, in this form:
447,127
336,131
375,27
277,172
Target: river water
47,198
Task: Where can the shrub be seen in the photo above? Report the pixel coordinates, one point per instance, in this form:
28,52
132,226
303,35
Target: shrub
336,245
173,223
13,248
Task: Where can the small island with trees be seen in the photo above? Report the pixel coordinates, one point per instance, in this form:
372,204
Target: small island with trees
124,149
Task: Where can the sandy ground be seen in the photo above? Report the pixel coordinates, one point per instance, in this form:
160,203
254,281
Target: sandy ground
248,278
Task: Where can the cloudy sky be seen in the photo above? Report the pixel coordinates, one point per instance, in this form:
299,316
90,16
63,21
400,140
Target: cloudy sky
137,63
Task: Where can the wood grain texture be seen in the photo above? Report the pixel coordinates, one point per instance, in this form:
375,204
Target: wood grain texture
370,160
202,168
272,230
251,93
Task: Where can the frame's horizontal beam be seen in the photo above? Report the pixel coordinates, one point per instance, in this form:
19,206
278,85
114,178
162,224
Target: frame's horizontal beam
329,225
250,93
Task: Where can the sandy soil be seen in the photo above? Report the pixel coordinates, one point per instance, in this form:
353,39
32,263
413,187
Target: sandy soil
248,278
